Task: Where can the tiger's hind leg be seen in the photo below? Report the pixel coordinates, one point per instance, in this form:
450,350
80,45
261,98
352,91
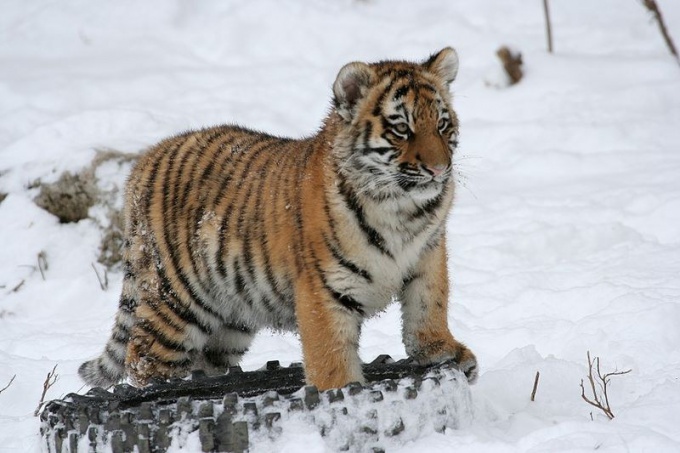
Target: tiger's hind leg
157,349
163,335
225,348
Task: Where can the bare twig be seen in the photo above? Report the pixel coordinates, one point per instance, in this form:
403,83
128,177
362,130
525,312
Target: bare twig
103,284
50,380
533,392
8,384
548,27
42,263
18,287
654,8
600,398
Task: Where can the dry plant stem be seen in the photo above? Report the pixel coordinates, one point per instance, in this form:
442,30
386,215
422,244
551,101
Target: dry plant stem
600,398
548,27
654,8
51,378
42,264
18,287
8,384
533,392
103,284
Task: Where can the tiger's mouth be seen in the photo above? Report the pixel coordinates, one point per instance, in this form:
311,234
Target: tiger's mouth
421,182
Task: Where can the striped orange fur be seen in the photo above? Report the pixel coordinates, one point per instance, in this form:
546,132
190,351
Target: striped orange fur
229,231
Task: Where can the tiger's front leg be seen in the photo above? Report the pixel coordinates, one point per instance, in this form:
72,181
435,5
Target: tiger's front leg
330,337
424,301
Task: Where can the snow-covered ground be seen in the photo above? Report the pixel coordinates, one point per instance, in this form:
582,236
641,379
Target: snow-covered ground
565,237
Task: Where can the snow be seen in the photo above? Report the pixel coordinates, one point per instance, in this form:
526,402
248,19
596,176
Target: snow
565,236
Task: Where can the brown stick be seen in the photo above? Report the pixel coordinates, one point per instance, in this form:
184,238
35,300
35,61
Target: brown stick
548,28
49,382
603,382
533,392
8,384
42,264
654,8
103,284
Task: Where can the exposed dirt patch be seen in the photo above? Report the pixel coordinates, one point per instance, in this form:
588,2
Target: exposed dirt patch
72,195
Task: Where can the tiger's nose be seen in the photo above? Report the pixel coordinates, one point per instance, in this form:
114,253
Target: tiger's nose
436,169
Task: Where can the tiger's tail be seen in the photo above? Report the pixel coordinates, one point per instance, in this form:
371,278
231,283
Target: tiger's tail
109,368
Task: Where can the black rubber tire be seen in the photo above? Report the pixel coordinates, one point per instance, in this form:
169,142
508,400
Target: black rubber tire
241,410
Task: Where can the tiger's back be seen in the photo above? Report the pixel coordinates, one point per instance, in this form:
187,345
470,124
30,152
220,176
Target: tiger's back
230,230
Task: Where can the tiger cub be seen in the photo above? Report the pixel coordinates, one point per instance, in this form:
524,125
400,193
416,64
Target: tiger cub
228,231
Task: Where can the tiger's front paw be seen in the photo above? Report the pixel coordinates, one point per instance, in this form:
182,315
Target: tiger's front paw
439,351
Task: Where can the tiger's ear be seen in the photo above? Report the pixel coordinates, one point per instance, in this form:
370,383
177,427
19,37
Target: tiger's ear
444,64
350,86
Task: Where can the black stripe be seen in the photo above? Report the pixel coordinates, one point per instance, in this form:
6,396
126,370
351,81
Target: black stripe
221,257
377,110
435,239
262,237
426,87
246,233
242,328
173,250
345,300
181,364
128,273
166,287
120,335
127,304
346,263
409,279
334,246
164,317
149,189
382,150
352,202
191,212
401,92
368,131
182,312
297,207
260,231
212,138
160,337
429,207
239,282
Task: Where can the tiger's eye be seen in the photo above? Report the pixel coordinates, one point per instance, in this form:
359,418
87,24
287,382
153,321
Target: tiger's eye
401,129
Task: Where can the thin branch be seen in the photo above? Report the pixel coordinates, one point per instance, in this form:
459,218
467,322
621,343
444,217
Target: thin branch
18,287
8,384
600,398
103,284
654,8
533,392
50,380
42,264
548,27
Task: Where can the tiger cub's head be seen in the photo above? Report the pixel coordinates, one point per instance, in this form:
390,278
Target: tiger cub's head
398,130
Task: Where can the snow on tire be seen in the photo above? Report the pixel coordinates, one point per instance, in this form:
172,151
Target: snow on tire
243,411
